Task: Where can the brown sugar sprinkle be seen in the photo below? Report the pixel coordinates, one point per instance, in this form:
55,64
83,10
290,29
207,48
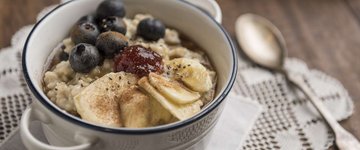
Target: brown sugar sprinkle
110,78
118,86
56,89
119,77
107,89
188,65
184,67
81,85
128,82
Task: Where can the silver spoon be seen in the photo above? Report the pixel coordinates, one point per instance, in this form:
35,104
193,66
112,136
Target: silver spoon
263,43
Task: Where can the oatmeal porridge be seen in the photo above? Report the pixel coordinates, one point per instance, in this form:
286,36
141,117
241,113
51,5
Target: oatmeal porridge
128,72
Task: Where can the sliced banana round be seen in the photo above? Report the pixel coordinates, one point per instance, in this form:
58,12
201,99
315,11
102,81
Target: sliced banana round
173,90
192,73
98,102
134,108
180,111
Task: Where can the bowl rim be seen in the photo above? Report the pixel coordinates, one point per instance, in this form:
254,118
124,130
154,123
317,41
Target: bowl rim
131,131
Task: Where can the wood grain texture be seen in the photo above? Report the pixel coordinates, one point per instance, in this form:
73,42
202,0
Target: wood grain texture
17,13
324,33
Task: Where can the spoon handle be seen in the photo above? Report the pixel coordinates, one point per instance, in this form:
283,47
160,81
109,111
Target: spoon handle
344,140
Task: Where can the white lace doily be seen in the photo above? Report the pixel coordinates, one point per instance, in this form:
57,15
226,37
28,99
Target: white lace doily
289,121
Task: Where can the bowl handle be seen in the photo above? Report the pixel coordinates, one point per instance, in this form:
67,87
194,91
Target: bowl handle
32,114
210,6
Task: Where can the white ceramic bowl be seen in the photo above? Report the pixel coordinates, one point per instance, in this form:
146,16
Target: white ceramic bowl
65,131
210,6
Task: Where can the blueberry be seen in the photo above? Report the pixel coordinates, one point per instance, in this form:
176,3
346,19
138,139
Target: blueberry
110,8
84,57
110,43
113,23
87,18
102,59
63,56
85,32
151,29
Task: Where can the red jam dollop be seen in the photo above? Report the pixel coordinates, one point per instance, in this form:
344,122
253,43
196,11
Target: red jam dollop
138,60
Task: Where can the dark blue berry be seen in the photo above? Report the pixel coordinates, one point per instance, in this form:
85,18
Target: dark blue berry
110,8
84,57
85,32
87,18
151,29
63,56
113,23
110,43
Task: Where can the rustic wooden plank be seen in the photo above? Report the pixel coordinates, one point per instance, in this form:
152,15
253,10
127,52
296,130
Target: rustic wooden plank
324,33
17,13
354,6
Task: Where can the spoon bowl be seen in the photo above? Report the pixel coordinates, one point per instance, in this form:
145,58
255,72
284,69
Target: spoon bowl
261,41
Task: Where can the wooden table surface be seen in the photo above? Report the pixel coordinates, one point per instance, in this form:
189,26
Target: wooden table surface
324,33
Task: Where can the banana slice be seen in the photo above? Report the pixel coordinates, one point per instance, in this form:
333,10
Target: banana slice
181,112
173,90
98,103
135,108
139,110
159,115
192,73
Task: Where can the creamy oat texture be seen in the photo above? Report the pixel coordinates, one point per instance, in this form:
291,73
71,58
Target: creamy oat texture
66,88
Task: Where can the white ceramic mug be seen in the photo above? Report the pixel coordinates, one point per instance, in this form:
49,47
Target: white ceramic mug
67,132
